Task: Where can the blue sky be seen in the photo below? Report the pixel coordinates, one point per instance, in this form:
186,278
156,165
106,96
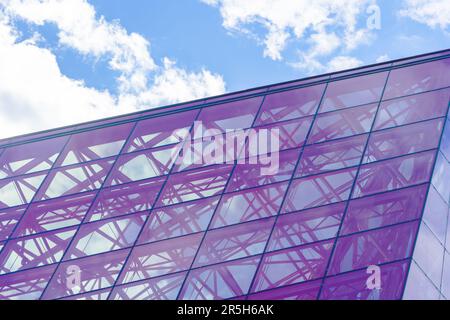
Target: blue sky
70,61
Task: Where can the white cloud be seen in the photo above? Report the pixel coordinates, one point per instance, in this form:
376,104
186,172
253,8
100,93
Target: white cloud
382,58
35,95
342,63
433,13
320,27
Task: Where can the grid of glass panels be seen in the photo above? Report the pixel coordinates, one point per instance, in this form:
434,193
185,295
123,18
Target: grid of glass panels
358,152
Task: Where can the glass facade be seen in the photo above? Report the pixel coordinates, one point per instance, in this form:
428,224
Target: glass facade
104,210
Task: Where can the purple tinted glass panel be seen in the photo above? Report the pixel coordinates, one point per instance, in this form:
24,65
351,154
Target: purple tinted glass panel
394,174
93,145
249,205
223,281
232,115
34,251
435,214
404,140
196,184
441,177
74,179
303,291
161,131
178,220
419,286
373,248
418,78
354,91
160,258
98,272
344,123
19,190
292,266
234,242
412,109
250,175
445,143
384,209
104,236
353,285
30,158
8,221
125,199
90,296
143,165
332,155
319,190
54,214
25,285
162,288
290,104
305,227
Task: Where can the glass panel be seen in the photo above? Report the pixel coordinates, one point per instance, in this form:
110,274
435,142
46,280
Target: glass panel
319,190
196,184
8,221
96,144
441,177
218,282
373,248
290,104
418,286
161,131
354,91
384,209
104,236
97,272
249,205
394,174
125,199
292,266
34,251
353,285
303,291
91,296
404,140
54,214
19,190
160,258
435,214
412,109
25,285
74,179
305,227
342,123
30,158
332,155
250,175
234,242
163,288
178,220
418,78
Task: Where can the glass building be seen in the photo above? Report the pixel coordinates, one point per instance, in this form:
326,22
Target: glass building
103,210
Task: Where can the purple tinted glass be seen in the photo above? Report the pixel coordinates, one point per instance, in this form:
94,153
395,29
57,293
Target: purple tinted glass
441,177
178,220
54,214
404,140
19,190
160,258
94,145
307,226
290,104
319,190
418,78
249,205
161,131
292,266
343,123
435,214
353,285
303,291
394,174
8,221
331,155
384,209
412,109
373,248
354,91
30,158
125,199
